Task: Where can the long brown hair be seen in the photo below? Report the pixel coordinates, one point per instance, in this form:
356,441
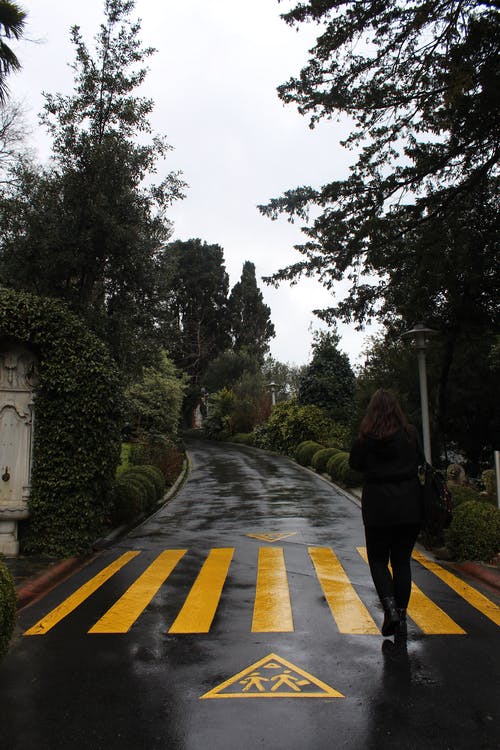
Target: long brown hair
383,417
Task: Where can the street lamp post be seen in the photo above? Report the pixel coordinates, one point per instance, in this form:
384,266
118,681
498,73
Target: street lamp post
273,387
419,333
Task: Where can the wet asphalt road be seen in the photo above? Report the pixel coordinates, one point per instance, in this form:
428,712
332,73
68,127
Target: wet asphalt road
143,689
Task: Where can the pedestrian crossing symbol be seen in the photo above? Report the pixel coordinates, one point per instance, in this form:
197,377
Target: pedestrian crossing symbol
273,677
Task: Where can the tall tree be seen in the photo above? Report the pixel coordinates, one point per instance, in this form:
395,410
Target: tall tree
87,229
328,380
250,317
12,22
414,226
194,308
420,81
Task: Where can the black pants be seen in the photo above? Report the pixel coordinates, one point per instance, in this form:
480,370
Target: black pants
394,543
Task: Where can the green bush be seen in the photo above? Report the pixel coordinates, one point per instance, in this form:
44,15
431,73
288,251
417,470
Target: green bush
304,454
160,451
154,473
7,608
461,493
291,424
474,533
336,465
137,473
78,421
321,458
129,501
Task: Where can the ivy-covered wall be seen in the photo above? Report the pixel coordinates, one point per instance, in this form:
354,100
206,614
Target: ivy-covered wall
78,419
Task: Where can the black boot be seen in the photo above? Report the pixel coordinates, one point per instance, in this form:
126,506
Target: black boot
391,616
401,628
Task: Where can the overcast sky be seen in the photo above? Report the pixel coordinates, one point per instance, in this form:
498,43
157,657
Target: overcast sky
213,80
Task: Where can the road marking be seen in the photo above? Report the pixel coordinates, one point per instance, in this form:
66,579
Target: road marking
272,677
79,596
199,609
272,608
271,537
467,592
122,615
428,616
347,609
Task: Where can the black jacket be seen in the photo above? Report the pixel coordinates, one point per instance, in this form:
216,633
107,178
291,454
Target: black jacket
391,491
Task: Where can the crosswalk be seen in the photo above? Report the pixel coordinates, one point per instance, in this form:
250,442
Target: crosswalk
272,608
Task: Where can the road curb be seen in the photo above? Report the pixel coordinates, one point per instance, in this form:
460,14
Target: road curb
478,570
31,590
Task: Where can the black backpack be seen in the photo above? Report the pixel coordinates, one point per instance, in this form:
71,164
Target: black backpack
437,502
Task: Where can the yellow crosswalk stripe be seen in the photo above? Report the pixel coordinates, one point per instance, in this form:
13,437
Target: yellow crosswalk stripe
470,594
347,609
425,614
272,608
122,615
68,605
199,609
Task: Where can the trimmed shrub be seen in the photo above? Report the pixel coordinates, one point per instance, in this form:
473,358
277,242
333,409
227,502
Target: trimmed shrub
78,420
474,533
461,493
304,454
154,473
321,458
129,501
138,474
160,451
291,424
336,465
7,608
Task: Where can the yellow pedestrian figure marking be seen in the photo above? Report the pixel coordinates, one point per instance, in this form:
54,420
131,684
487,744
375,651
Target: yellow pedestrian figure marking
347,609
470,594
122,615
271,537
199,609
425,614
272,608
273,677
79,596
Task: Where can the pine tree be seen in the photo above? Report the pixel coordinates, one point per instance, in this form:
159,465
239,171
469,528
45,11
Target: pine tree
250,320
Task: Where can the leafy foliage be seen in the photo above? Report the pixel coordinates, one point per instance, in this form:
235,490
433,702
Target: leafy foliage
414,226
328,381
474,533
155,402
251,327
7,608
195,288
291,424
90,228
78,424
12,22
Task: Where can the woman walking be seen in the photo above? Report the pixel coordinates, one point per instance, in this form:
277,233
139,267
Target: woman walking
388,453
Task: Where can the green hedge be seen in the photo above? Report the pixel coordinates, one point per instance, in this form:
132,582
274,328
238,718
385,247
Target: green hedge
339,470
78,420
321,458
7,608
137,490
474,533
305,451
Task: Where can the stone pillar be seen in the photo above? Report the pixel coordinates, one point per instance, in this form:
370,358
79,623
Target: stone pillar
17,381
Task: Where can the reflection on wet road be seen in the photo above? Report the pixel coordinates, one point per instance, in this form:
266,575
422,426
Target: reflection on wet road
251,583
